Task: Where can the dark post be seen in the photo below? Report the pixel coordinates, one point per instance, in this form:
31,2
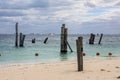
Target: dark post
63,38
33,40
16,35
69,46
79,44
45,40
22,38
20,41
92,38
100,38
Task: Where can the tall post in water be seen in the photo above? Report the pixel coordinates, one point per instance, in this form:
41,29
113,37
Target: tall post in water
16,35
63,38
100,39
79,45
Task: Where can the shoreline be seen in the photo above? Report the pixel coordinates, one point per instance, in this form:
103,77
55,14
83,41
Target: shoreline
55,61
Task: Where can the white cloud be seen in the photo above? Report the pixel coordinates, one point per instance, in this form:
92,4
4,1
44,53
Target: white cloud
102,3
79,11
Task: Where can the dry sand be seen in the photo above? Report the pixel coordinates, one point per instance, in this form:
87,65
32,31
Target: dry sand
94,69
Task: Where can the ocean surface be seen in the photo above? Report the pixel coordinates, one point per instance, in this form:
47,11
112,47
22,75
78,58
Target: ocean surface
51,50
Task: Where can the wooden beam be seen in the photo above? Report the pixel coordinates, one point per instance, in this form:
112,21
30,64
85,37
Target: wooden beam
79,45
16,35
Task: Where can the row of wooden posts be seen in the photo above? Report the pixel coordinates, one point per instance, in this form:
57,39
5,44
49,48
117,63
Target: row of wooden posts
92,38
79,45
64,43
20,38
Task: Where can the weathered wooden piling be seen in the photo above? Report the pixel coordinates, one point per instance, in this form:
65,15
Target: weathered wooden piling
33,40
16,35
69,46
63,38
92,37
45,41
21,41
79,45
100,39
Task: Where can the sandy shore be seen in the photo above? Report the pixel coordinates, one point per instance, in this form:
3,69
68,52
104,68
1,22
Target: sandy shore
94,69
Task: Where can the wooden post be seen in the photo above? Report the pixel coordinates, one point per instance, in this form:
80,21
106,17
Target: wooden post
20,41
45,40
100,39
22,38
16,35
63,38
33,40
69,46
92,37
79,45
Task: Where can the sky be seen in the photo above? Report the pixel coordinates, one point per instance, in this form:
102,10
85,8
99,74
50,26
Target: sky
47,16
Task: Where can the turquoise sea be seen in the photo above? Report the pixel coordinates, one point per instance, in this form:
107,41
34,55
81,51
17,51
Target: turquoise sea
51,50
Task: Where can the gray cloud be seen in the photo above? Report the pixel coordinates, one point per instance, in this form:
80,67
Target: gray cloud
118,4
89,4
4,20
60,3
40,4
11,13
23,4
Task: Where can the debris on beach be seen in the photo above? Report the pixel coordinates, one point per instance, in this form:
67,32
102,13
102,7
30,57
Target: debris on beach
118,77
108,71
117,67
102,70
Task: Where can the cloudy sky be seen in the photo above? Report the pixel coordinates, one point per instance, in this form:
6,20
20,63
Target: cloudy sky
47,16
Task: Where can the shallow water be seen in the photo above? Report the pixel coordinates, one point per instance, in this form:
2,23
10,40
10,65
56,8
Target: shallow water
51,50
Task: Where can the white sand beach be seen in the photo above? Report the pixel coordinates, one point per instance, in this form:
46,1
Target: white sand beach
94,69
